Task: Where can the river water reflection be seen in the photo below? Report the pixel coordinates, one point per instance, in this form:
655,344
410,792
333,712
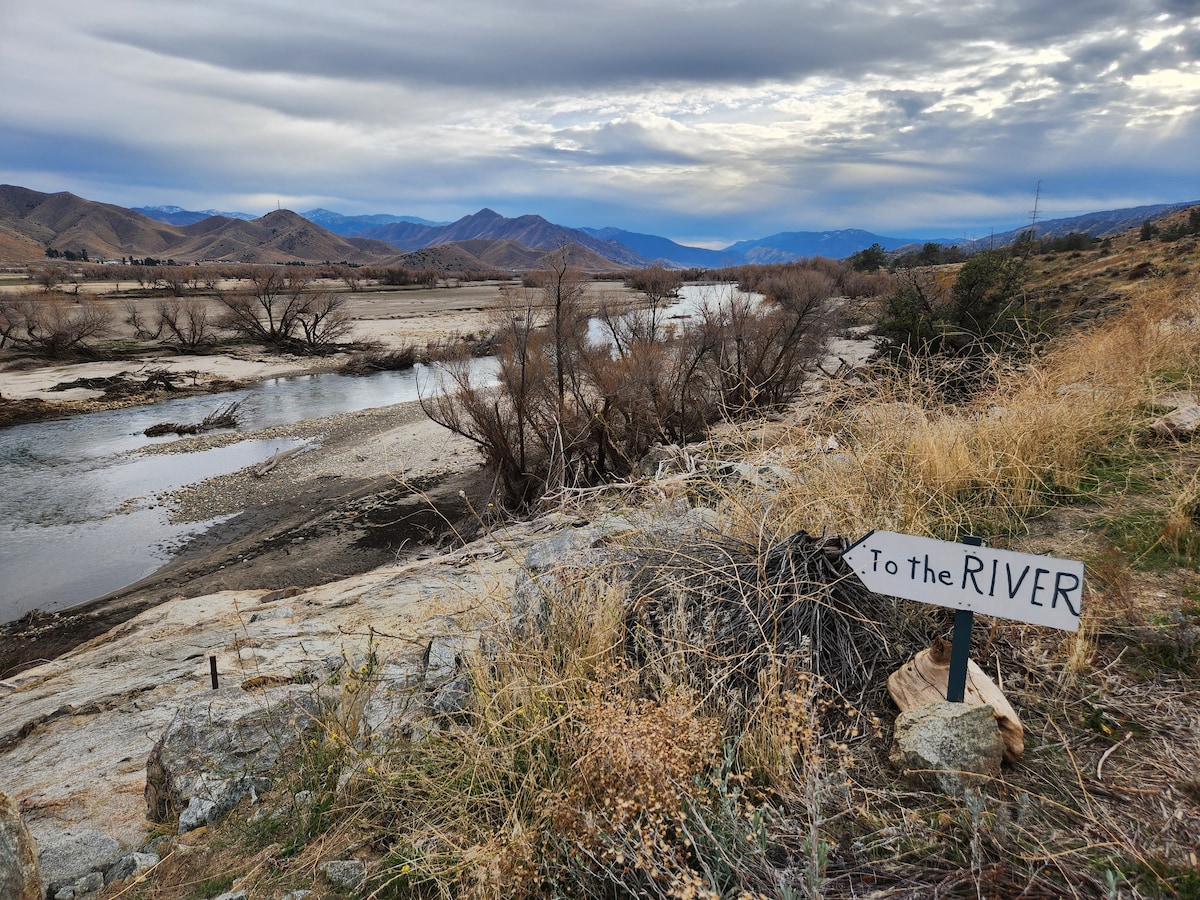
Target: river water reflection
78,511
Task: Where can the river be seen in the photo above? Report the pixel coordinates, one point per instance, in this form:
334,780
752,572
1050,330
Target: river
80,507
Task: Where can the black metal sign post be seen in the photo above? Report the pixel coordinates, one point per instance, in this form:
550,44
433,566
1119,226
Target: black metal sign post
960,647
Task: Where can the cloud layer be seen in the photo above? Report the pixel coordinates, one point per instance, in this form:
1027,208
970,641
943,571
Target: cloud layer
704,120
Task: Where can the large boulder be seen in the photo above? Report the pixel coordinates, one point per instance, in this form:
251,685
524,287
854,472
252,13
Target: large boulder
20,878
948,746
219,748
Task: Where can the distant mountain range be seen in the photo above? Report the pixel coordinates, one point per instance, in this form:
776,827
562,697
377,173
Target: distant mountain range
177,215
31,222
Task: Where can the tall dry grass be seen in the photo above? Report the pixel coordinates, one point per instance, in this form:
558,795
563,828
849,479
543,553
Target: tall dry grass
903,462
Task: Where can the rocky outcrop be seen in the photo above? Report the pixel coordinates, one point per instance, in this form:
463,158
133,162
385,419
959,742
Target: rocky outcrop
74,861
76,732
220,748
20,878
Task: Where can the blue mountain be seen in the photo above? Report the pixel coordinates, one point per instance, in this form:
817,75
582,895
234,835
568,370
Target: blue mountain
177,215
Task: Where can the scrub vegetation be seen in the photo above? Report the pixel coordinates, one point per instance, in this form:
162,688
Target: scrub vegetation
608,753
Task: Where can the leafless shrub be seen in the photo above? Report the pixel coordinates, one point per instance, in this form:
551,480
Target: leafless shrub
186,322
53,326
278,309
758,356
569,413
48,277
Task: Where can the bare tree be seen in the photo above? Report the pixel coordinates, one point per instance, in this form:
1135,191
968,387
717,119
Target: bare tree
324,320
10,318
186,322
278,310
351,277
48,277
54,327
660,288
143,330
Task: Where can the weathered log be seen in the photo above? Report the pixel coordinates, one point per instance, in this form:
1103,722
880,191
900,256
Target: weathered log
223,417
923,680
277,459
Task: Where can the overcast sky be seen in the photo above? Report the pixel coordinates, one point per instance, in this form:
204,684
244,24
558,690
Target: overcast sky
706,121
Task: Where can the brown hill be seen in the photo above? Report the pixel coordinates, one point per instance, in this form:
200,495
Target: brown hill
444,257
278,237
18,249
65,222
31,222
502,254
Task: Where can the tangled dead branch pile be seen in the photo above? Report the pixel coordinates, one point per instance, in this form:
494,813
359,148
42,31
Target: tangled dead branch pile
223,417
734,620
127,384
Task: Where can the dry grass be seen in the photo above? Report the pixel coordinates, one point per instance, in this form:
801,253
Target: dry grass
906,464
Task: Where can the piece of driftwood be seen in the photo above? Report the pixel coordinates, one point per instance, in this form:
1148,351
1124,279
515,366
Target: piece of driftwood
923,679
277,459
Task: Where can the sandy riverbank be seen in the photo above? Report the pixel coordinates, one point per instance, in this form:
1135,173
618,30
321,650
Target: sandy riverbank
379,486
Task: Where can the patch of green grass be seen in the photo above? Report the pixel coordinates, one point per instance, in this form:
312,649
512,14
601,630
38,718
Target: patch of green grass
1159,878
1121,469
1111,725
1139,534
1176,378
211,887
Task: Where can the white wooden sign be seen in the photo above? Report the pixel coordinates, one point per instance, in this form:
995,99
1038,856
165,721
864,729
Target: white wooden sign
1040,590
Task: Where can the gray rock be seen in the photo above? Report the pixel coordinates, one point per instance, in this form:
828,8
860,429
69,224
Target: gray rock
129,865
240,894
572,546
68,856
347,874
453,696
280,612
1179,424
296,895
764,477
88,884
214,796
663,459
443,657
20,878
218,748
949,746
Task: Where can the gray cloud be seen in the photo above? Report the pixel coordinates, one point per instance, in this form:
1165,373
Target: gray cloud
703,118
